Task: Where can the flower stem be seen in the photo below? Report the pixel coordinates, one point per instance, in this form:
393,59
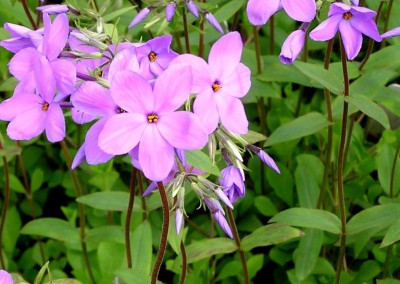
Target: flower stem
328,153
185,30
341,166
81,209
387,16
164,233
5,204
141,189
237,242
28,14
184,264
129,217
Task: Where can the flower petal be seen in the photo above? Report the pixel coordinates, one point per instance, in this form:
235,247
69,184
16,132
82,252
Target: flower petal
225,55
12,107
259,11
45,81
94,99
55,123
327,29
122,133
172,89
205,107
232,114
156,155
94,155
79,157
56,36
132,92
238,83
23,62
124,60
27,125
366,26
65,75
392,33
300,10
352,39
182,130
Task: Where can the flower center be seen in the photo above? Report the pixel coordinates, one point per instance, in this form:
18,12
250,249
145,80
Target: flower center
216,86
152,56
120,110
45,106
152,118
347,16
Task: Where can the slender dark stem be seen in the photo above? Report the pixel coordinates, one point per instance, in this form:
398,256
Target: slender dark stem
237,242
235,21
5,204
341,166
129,217
271,34
201,38
196,227
371,41
185,30
28,14
141,189
257,50
386,25
184,264
81,209
164,233
349,134
328,150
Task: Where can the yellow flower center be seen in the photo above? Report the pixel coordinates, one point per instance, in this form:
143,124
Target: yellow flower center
347,16
152,56
216,87
152,118
45,106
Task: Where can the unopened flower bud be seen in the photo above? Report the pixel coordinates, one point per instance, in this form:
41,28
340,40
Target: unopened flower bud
214,22
53,9
192,7
140,17
170,11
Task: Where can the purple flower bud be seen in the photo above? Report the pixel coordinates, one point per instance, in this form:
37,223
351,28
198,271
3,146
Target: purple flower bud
392,33
292,47
232,182
264,157
219,217
214,22
53,9
192,7
222,196
5,277
214,205
170,11
140,17
178,220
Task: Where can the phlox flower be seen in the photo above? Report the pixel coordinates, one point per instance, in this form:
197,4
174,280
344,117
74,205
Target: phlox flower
150,120
22,37
220,84
352,22
232,182
392,33
154,56
32,113
259,11
293,45
219,214
53,9
5,277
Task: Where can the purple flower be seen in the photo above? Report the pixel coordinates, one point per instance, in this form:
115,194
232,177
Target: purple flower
22,37
392,33
259,11
214,22
352,22
292,46
170,11
220,84
154,56
192,7
32,113
218,212
151,121
178,220
232,182
140,17
5,277
53,9
264,157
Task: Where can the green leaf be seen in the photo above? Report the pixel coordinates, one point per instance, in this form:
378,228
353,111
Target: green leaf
305,125
10,151
15,184
41,273
392,235
308,252
282,184
384,161
12,226
269,235
37,179
309,218
52,228
129,275
370,108
117,13
200,160
110,257
265,206
105,234
253,137
326,78
208,247
105,180
383,59
107,200
228,10
141,247
254,264
379,216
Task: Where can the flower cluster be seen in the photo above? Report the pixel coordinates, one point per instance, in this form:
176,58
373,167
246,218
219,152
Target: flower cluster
138,97
348,18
